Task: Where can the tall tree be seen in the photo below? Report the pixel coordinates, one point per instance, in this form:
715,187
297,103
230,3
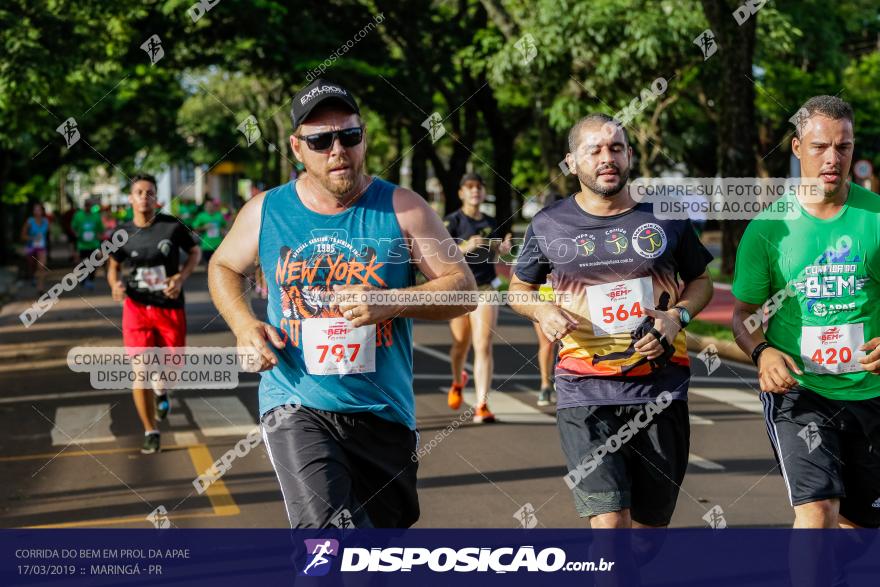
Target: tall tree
737,137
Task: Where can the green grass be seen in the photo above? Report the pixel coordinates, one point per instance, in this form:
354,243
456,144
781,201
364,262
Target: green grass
709,329
715,272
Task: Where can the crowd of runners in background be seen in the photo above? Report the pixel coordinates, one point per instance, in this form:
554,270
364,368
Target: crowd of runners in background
631,290
79,230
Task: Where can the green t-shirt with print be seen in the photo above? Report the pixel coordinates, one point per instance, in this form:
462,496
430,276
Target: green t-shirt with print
824,277
88,228
212,235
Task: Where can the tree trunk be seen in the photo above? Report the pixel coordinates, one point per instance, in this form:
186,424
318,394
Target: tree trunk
450,176
8,232
419,171
736,121
554,146
503,136
266,171
393,172
502,161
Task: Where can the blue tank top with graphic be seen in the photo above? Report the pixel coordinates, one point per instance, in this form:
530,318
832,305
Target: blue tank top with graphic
303,254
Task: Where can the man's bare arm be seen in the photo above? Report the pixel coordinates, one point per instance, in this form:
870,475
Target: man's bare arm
520,291
774,366
747,339
444,266
231,263
117,288
227,272
696,294
555,322
194,255
694,297
174,284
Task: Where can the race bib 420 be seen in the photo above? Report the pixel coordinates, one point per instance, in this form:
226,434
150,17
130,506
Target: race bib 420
832,349
620,306
331,346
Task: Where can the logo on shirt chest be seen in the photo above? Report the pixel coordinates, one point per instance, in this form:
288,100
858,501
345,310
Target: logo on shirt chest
164,247
616,241
586,244
649,240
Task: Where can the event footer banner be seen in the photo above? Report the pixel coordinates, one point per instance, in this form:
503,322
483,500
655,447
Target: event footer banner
765,557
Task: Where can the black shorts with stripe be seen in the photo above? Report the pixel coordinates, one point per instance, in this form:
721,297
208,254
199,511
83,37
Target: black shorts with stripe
828,449
343,470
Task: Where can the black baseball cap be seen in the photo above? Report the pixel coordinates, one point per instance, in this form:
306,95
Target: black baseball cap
319,92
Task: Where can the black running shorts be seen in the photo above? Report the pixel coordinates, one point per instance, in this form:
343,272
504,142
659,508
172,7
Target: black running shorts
828,449
626,457
343,470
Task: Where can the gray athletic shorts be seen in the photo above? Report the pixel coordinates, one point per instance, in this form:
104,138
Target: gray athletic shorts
642,474
343,470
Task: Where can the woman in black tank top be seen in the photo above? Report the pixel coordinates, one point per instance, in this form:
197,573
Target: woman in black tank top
481,243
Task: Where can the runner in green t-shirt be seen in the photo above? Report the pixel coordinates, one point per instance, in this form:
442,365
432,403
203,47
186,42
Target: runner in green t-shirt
88,227
211,225
816,279
187,212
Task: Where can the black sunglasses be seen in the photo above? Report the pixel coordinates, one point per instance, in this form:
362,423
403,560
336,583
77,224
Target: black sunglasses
348,137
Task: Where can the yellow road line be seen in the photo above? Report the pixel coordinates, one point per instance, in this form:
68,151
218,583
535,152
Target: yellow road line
218,494
221,499
129,519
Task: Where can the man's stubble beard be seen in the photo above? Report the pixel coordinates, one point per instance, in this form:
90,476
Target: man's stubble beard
593,183
342,190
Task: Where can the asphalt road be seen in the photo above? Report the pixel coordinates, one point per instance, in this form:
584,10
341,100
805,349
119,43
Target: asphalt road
69,455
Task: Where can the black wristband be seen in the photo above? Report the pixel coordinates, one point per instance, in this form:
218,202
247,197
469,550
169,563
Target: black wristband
756,354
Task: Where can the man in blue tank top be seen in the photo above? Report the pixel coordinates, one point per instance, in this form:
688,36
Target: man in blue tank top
336,395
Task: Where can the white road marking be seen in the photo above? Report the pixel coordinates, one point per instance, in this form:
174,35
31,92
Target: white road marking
82,424
507,408
223,415
700,421
438,355
744,381
185,439
702,463
737,398
252,384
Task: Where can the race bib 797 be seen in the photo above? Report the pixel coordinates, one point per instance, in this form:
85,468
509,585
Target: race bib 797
331,346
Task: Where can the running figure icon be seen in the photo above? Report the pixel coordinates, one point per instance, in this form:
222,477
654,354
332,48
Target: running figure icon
319,555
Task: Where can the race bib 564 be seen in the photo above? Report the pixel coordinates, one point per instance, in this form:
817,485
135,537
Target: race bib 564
620,306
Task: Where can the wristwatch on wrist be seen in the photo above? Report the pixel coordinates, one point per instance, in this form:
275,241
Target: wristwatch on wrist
683,315
756,354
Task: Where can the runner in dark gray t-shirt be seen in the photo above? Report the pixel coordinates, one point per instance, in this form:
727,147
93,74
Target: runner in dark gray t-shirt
625,284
